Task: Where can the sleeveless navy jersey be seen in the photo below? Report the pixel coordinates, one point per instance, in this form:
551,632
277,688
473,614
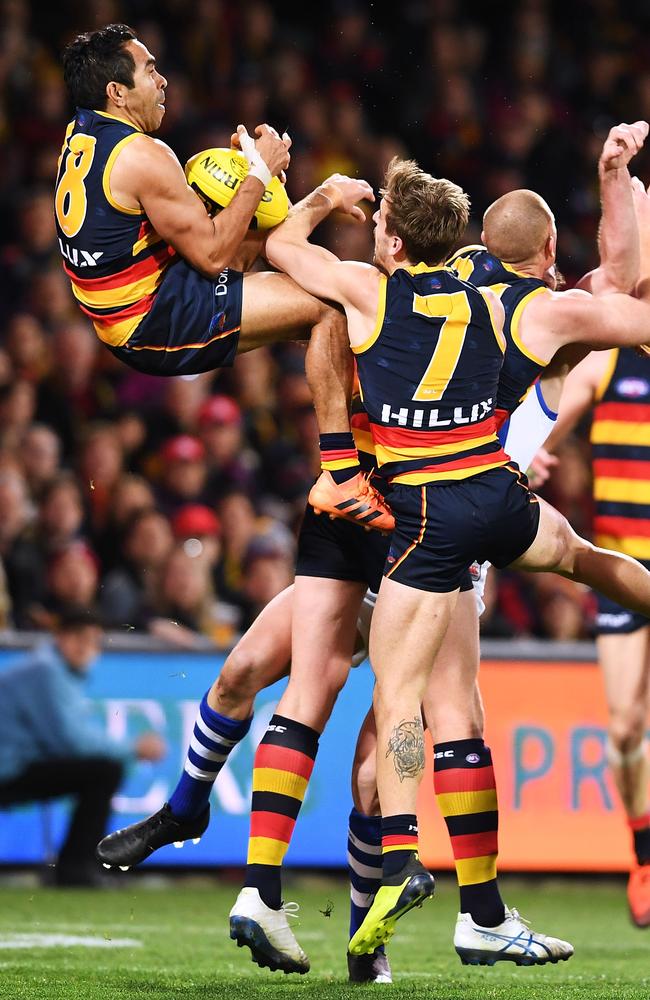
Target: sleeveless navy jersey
428,377
520,367
620,440
113,256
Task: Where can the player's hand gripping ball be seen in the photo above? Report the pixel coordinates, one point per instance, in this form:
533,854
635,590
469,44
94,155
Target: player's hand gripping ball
215,175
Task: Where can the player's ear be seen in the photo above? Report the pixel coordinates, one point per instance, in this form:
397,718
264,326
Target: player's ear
483,237
396,246
115,93
551,245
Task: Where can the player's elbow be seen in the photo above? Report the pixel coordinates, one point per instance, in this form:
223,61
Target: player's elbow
279,250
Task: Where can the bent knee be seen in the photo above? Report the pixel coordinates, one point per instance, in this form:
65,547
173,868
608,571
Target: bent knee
626,730
241,675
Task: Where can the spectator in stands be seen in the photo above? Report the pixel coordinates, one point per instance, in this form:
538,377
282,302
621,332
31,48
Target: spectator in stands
131,495
268,569
101,463
50,748
27,347
17,408
231,462
185,605
40,456
184,474
72,578
57,526
130,587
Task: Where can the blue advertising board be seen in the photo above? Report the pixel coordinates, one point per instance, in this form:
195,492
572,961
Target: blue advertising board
134,691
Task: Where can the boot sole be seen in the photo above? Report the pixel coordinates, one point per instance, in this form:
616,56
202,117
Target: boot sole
130,860
419,889
474,956
247,932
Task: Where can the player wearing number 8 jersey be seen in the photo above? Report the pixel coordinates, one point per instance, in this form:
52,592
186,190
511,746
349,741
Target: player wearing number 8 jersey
448,510
160,279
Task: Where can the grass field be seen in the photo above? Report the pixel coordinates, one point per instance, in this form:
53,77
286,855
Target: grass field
171,943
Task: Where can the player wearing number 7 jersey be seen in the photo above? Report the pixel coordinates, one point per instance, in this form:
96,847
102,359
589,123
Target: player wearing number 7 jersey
428,349
156,275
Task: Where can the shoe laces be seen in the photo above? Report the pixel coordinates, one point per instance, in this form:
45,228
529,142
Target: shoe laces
517,916
291,909
368,491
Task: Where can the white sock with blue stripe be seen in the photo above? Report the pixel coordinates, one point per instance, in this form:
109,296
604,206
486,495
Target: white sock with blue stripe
213,738
364,865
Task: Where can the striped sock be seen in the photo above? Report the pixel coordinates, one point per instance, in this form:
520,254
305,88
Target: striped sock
640,827
364,865
281,771
213,738
467,797
339,456
399,840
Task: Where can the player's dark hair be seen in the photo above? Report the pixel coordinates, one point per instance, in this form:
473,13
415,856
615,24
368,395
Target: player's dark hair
93,60
428,214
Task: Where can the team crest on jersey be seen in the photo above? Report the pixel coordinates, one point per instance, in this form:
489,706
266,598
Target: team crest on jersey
488,265
218,322
632,387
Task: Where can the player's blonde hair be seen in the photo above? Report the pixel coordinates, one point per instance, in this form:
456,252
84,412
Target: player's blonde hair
428,214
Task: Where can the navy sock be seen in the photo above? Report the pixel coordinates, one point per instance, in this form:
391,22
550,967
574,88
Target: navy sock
339,456
399,841
213,739
364,865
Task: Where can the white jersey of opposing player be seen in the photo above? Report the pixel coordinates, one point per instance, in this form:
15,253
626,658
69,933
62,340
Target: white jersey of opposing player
526,431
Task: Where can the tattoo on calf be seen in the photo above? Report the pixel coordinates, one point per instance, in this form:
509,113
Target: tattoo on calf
406,743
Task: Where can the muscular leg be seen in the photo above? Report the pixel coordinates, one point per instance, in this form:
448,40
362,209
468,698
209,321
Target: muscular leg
276,308
324,614
260,658
558,549
407,631
628,695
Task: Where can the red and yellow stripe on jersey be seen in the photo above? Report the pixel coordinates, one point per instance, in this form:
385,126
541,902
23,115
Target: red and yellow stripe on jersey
112,255
620,439
429,377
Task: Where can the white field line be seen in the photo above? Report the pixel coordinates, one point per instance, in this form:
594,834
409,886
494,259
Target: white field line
14,941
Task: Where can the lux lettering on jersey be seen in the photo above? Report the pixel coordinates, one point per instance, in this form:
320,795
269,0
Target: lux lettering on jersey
416,418
80,258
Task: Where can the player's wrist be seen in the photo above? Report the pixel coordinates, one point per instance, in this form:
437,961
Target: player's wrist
258,168
331,193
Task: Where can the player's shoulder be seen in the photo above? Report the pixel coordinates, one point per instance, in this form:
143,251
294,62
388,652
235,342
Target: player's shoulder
471,251
145,158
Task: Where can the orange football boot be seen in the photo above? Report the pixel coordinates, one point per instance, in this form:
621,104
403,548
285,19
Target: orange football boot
638,895
354,500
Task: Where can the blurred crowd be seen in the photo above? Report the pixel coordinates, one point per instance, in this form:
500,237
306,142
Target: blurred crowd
173,504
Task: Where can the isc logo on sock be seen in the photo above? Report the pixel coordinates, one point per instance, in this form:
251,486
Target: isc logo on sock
277,729
443,753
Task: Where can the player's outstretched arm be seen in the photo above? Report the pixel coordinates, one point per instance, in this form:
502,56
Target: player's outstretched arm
352,284
618,237
148,173
614,320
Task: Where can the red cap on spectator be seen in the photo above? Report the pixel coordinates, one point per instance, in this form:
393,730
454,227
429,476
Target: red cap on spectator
195,520
219,410
183,448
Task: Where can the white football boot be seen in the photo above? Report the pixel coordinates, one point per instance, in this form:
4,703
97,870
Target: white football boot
511,941
267,933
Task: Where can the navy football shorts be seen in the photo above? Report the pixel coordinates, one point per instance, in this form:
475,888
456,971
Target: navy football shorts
192,327
442,528
334,549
